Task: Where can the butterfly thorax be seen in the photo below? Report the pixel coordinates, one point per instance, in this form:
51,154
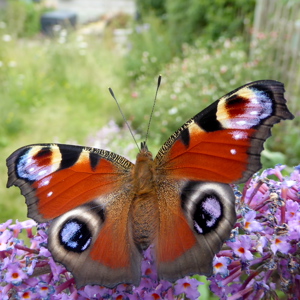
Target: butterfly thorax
144,205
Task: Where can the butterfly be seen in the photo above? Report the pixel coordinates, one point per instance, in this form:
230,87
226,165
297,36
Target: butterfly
105,210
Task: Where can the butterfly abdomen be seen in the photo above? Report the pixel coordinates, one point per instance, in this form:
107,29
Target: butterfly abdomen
144,216
144,208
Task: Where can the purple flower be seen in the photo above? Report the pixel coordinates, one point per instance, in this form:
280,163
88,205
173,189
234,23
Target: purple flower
292,209
250,224
261,257
241,247
188,286
27,294
280,243
221,264
5,225
152,296
264,251
44,290
14,274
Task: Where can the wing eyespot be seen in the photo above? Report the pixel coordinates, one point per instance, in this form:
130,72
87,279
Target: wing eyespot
75,235
76,230
206,205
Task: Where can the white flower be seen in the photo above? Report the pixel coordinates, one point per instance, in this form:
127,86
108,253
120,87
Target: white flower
56,27
62,40
6,38
79,38
12,64
63,33
83,45
173,111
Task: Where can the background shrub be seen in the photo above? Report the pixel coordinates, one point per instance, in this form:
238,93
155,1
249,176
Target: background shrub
22,18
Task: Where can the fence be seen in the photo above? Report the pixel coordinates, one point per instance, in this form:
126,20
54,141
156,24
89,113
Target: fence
277,30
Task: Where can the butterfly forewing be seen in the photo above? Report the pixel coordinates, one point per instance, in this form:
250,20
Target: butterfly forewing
56,178
223,142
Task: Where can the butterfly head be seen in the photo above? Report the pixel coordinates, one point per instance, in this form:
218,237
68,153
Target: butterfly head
144,153
144,147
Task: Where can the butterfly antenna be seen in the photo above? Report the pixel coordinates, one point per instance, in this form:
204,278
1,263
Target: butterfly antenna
154,102
113,95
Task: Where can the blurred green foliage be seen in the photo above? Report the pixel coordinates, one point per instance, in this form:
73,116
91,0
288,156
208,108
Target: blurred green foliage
150,49
164,26
22,18
150,7
51,91
188,20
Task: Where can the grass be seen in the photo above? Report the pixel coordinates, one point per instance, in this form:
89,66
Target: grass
51,91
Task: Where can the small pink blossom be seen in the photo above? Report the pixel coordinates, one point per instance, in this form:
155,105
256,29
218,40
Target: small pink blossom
250,224
280,243
242,247
14,274
187,286
221,264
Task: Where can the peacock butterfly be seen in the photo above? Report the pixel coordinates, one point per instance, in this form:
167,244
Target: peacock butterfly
104,210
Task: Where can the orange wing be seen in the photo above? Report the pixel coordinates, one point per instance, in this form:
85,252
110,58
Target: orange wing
88,194
56,178
223,142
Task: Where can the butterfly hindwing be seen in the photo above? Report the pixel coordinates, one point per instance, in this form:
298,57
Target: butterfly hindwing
95,242
223,142
195,219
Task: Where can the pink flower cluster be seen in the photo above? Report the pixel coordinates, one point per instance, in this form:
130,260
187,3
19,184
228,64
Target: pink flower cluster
31,273
261,260
263,255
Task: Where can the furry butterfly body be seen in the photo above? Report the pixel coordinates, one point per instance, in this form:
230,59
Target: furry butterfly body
104,210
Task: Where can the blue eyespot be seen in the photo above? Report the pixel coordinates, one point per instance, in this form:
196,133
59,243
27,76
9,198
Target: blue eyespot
75,236
207,214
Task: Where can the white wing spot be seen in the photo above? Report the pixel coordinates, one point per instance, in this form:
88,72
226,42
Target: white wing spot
43,172
233,151
49,194
254,100
44,182
241,122
239,135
